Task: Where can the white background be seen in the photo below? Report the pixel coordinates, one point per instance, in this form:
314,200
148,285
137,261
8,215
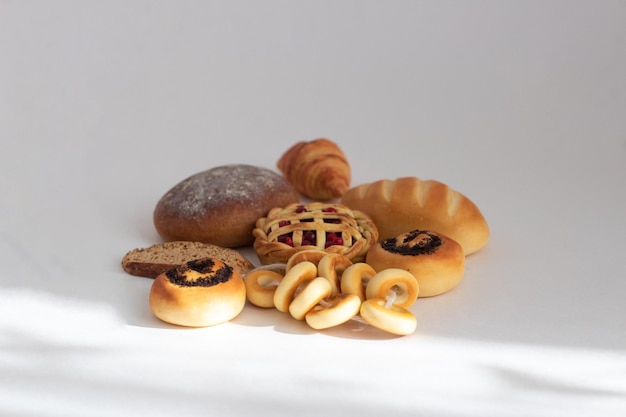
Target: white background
519,105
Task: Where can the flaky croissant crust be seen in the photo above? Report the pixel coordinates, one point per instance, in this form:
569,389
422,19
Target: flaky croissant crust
317,169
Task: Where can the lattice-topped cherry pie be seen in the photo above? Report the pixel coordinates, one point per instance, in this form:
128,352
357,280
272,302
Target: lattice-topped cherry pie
330,227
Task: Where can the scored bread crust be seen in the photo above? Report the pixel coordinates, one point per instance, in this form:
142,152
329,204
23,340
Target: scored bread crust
408,203
152,261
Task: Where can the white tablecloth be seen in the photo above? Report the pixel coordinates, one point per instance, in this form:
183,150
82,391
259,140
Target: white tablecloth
518,105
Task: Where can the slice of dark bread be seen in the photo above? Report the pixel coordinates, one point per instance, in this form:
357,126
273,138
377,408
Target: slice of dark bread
152,261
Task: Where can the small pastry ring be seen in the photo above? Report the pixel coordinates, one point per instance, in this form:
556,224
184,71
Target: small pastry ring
333,311
260,287
355,278
332,267
314,291
296,276
393,319
394,282
311,255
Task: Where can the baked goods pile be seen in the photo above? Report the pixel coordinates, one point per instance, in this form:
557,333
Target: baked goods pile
328,253
328,289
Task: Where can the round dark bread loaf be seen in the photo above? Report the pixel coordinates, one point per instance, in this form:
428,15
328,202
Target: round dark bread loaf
221,205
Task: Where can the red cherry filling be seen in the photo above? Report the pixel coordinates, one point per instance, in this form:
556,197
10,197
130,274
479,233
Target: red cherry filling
286,239
331,210
332,239
309,237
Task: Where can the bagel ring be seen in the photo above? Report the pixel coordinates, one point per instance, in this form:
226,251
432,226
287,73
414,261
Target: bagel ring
331,267
314,291
393,319
395,282
300,273
355,278
333,311
261,285
311,255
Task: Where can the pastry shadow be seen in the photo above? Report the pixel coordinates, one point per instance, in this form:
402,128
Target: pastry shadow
282,322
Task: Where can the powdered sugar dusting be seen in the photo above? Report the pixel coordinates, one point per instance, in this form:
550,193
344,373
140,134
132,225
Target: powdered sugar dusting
224,185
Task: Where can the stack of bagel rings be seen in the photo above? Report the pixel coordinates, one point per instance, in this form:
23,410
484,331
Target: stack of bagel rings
328,289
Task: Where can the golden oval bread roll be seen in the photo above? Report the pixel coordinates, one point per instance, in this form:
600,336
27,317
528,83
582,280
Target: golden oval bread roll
408,203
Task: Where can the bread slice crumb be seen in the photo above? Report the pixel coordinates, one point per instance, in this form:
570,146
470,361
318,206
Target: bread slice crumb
152,261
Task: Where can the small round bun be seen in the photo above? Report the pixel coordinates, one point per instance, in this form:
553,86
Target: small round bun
437,261
199,293
221,205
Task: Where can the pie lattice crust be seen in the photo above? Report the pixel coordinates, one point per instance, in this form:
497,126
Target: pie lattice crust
333,228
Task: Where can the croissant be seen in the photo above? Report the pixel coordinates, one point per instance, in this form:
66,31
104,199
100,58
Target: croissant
317,169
